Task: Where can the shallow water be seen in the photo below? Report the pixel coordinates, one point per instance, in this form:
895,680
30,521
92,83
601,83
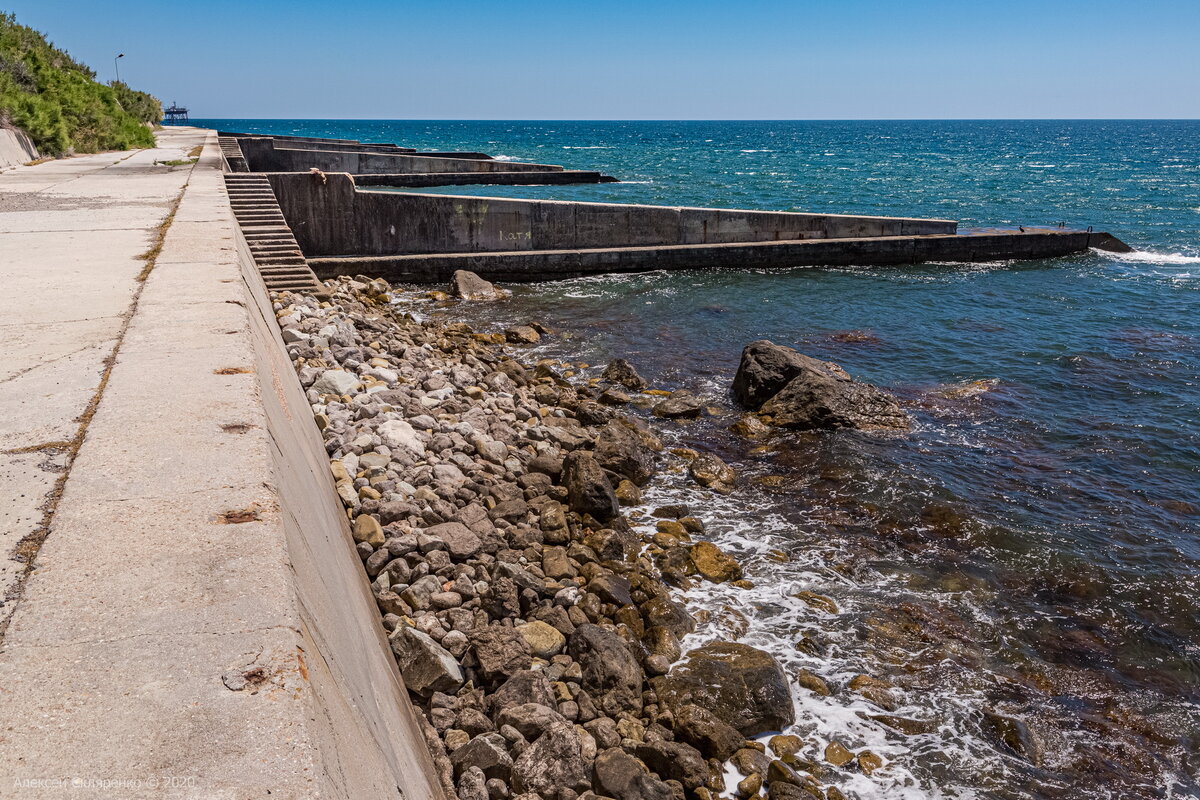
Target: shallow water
1031,548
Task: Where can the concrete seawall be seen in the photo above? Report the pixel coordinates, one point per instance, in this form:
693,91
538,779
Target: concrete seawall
334,218
196,623
266,155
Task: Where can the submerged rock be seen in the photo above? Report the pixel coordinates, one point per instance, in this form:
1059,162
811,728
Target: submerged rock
741,685
797,391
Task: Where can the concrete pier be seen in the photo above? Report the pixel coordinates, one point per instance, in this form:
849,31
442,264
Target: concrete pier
185,614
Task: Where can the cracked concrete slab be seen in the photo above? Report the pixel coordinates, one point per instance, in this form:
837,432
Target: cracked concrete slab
72,234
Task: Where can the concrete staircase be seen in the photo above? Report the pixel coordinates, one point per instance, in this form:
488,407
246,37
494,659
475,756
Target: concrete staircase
279,259
231,151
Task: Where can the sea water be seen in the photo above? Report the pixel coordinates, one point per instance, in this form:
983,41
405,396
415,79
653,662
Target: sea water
1024,565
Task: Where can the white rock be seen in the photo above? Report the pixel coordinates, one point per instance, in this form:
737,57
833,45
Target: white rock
398,433
337,381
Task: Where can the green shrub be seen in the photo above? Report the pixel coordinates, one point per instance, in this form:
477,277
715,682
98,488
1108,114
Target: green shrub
59,103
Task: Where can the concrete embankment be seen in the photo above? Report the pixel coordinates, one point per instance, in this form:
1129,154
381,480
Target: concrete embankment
188,617
265,155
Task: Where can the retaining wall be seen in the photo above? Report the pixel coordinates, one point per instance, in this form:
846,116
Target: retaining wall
16,148
267,155
334,218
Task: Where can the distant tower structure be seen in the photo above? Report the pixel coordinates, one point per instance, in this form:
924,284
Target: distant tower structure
175,114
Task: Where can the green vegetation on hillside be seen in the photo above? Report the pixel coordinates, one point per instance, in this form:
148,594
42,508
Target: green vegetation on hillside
59,103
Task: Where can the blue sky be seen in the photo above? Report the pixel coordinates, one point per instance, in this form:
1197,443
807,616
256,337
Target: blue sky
819,59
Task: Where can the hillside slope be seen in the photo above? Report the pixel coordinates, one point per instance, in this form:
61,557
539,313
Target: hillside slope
59,103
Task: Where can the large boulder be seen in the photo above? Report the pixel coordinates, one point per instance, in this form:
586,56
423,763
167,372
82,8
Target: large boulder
741,685
588,489
764,370
426,666
555,759
619,775
797,391
611,675
526,687
469,286
622,449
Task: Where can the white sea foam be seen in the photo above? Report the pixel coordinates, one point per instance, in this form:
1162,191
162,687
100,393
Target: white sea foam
1148,257
588,147
506,158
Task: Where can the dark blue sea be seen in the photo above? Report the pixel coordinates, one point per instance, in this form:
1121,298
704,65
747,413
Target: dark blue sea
1025,565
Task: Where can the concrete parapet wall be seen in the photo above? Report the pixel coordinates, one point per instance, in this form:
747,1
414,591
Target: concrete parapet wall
267,155
335,218
865,252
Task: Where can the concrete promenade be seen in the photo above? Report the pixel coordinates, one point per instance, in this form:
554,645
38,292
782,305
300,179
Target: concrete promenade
194,623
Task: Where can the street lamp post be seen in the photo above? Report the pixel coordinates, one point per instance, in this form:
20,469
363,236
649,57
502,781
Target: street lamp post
117,66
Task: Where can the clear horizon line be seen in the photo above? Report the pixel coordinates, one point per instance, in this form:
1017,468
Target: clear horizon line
702,119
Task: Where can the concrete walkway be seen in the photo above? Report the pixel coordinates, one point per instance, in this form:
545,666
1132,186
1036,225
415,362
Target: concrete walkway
73,236
185,614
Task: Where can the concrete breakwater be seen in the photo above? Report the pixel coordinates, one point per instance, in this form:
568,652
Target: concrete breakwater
537,631
328,192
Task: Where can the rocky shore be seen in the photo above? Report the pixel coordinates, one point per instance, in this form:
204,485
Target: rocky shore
537,631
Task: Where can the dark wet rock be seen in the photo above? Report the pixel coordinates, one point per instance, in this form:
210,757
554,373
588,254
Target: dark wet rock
877,691
764,370
613,397
522,334
741,685
712,473
797,391
701,728
618,775
748,760
837,754
905,725
622,372
488,753
500,651
469,286
1012,734
679,405
714,565
611,674
611,588
868,762
813,682
588,488
676,761
426,666
665,612
554,760
621,449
